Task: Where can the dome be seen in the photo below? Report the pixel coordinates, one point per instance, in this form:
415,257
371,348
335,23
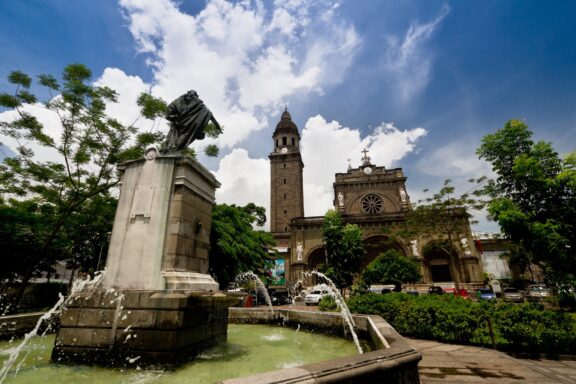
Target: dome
286,125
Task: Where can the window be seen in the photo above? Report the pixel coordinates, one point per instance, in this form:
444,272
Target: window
284,165
372,204
276,142
284,196
293,142
285,212
284,181
284,140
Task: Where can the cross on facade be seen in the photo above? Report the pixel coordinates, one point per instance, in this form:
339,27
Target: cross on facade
366,158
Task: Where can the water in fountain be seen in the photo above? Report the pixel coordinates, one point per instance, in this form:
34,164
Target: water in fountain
344,310
260,287
250,349
77,286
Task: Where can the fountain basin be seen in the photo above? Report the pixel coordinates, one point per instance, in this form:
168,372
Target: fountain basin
391,361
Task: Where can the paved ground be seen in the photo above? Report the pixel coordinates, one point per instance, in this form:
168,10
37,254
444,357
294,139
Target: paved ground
448,363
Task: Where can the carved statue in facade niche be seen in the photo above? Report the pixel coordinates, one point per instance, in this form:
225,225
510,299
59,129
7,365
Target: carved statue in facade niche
464,242
340,199
414,244
299,251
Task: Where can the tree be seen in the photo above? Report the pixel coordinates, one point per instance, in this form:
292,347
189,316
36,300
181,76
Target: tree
235,246
534,198
344,249
446,218
391,267
86,153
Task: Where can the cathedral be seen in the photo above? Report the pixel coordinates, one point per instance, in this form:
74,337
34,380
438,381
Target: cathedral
370,196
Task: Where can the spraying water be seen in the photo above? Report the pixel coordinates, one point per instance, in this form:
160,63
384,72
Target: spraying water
77,286
260,287
344,310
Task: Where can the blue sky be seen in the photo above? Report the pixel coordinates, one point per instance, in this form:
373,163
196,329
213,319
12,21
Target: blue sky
418,83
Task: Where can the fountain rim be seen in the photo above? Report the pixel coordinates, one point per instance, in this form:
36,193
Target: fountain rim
391,353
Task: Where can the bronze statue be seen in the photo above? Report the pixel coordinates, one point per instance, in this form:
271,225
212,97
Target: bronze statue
188,118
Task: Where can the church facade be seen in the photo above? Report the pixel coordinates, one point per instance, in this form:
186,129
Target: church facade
370,196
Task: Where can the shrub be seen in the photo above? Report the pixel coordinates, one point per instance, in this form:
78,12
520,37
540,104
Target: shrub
525,327
328,304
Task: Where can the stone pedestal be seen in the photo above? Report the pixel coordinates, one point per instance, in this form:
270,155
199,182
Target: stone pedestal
161,234
140,328
157,302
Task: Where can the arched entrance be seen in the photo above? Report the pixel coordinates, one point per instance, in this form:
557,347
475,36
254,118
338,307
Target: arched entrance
317,258
376,245
438,262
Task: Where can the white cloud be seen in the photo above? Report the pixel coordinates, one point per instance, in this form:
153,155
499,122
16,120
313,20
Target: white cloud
405,59
52,127
242,58
128,88
244,180
327,146
454,160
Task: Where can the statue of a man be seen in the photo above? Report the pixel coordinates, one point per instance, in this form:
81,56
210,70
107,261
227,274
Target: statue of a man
188,118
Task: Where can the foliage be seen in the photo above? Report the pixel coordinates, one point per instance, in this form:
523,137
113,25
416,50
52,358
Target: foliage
344,249
23,226
391,267
235,246
85,153
444,216
521,328
328,304
534,198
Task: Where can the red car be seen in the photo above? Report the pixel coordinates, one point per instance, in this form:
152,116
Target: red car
463,293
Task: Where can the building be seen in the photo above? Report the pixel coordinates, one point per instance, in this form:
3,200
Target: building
370,196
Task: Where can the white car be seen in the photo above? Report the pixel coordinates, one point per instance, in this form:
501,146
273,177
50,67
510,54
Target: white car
313,298
538,291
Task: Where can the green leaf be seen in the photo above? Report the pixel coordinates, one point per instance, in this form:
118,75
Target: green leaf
49,81
20,78
212,150
9,101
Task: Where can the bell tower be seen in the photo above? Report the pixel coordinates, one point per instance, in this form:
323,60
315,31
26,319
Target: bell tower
286,191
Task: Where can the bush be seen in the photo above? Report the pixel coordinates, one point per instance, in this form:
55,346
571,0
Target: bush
40,296
452,319
328,304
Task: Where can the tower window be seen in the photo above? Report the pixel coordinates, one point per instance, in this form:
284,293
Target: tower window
284,181
276,142
284,196
285,212
285,229
284,140
293,142
284,165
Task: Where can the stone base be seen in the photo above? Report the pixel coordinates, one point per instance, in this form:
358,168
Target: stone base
192,281
140,328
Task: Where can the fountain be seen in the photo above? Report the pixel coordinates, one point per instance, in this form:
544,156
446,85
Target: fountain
260,287
156,305
344,311
156,299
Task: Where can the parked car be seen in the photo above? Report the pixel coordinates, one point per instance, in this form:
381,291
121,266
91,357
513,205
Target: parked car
485,294
538,291
435,290
463,293
279,297
313,298
512,295
382,288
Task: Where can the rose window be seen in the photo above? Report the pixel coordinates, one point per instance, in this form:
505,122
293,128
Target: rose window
372,204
